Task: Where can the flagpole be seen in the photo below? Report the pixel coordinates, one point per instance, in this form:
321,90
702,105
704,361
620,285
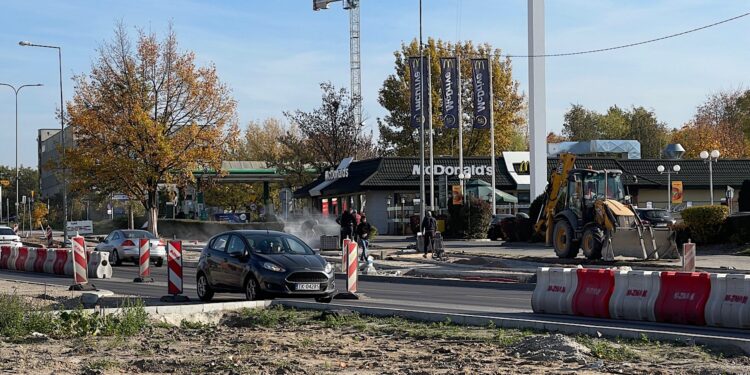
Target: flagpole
421,125
492,135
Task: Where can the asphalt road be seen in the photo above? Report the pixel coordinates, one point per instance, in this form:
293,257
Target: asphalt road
504,300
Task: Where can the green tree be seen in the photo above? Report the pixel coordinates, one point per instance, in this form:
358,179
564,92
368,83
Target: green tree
28,181
147,115
398,138
581,124
638,123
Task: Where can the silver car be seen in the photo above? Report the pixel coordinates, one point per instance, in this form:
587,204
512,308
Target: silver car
8,237
122,245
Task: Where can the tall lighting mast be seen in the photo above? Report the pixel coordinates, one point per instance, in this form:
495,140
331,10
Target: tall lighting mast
354,56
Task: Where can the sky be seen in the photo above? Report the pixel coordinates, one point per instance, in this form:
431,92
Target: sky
274,54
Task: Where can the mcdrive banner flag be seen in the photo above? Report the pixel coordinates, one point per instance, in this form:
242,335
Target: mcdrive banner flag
450,81
420,90
481,75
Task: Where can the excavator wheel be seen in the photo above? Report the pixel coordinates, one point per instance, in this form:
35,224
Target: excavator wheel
563,240
592,243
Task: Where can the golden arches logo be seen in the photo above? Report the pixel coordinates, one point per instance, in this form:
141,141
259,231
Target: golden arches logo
522,167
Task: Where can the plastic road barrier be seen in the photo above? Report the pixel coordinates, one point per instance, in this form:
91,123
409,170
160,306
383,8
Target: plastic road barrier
729,302
554,290
688,257
20,262
174,266
61,257
98,264
41,259
31,259
682,298
68,269
12,258
49,263
635,295
594,289
80,266
352,267
174,273
144,260
344,251
4,257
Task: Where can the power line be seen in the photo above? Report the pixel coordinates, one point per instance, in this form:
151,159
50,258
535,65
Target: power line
631,44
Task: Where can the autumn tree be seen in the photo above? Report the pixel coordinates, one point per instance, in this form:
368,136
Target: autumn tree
398,138
553,137
330,132
146,115
719,123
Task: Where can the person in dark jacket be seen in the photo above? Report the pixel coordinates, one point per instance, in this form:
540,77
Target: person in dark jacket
363,234
346,221
429,227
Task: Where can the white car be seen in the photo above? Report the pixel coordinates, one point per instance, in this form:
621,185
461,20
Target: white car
8,237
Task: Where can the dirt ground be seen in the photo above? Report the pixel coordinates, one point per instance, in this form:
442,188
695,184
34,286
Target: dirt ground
53,296
277,341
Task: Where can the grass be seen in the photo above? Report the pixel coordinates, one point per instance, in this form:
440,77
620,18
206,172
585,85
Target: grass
102,364
607,350
19,318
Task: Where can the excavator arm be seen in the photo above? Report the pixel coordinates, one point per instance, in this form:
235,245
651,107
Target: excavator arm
558,180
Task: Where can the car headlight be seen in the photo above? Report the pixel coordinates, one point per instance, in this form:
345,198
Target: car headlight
272,267
329,268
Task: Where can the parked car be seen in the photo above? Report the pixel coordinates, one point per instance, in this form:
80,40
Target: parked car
656,217
8,237
122,245
262,263
495,231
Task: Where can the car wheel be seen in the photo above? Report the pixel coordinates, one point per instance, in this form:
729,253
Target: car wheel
563,240
205,293
592,243
159,262
116,258
326,299
251,289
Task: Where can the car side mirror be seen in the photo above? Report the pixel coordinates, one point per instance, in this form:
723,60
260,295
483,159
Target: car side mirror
316,251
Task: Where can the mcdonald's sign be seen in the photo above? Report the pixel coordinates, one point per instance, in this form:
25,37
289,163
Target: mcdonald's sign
521,168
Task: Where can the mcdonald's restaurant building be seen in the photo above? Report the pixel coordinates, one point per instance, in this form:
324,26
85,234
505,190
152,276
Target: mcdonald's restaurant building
387,189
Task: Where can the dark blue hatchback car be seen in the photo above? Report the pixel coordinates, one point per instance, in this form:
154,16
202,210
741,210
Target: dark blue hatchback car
263,263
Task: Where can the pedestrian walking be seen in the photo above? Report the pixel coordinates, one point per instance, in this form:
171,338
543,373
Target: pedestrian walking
363,233
429,227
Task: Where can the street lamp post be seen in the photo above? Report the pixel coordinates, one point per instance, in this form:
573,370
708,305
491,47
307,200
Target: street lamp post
675,170
711,158
16,90
62,135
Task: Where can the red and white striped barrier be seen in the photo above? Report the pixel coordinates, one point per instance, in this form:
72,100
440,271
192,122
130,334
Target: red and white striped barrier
695,298
144,260
174,273
352,267
344,253
80,265
54,261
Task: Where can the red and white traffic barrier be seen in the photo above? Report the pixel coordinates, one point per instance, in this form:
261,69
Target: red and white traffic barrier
352,267
174,273
80,265
55,261
554,290
144,260
4,257
729,302
12,258
344,253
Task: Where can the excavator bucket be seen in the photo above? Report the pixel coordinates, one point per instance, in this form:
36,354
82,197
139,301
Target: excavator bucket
632,239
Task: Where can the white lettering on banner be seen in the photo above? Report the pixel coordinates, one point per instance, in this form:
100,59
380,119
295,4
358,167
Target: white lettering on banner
448,90
336,174
481,102
417,85
474,170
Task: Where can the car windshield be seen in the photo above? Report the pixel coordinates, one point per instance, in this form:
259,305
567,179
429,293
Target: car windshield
277,244
7,232
657,214
138,234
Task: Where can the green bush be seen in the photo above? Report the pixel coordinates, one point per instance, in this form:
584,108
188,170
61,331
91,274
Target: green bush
738,228
470,220
744,196
705,223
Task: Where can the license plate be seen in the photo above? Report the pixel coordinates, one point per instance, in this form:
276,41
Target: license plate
308,286
661,225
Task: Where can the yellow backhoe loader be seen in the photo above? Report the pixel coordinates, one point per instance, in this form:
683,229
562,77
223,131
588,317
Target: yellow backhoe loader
587,209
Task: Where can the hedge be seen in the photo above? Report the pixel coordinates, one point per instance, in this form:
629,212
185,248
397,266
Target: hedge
705,223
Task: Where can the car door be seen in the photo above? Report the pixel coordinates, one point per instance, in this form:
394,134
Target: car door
216,260
106,244
235,262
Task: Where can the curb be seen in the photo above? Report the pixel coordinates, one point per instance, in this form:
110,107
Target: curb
442,282
592,328
186,309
